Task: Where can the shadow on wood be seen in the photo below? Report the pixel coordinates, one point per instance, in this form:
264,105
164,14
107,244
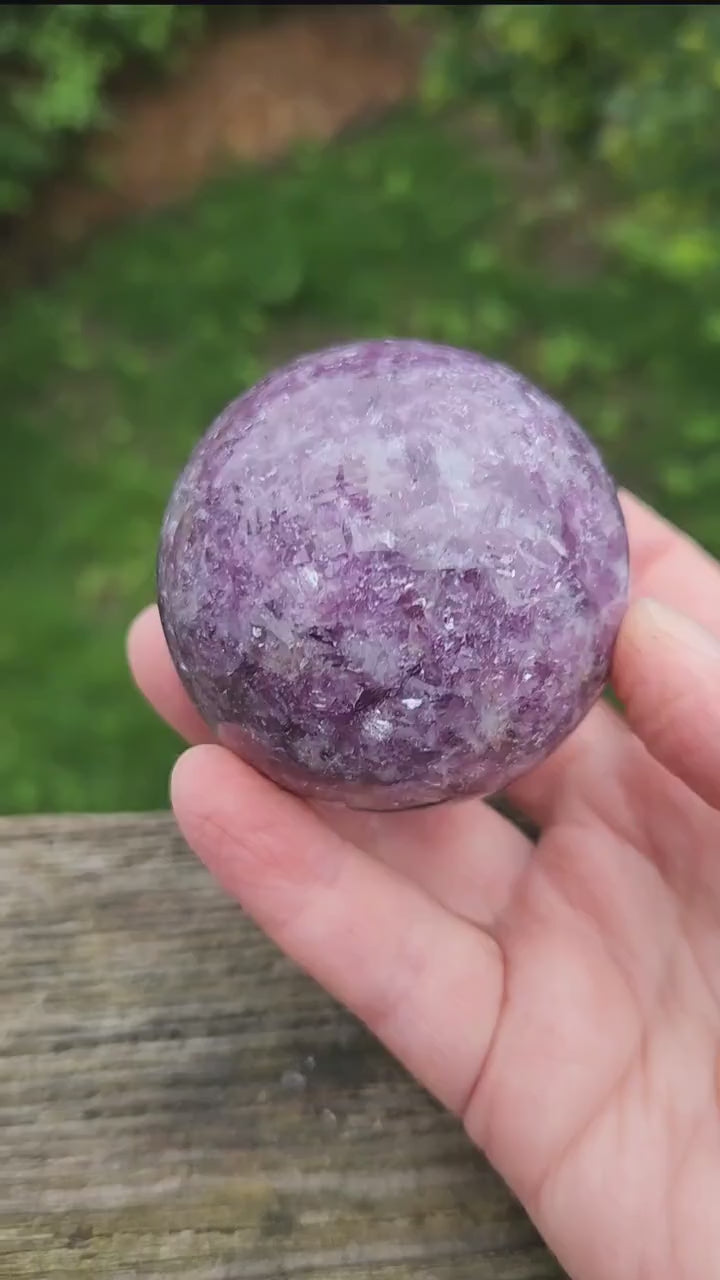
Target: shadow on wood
179,1103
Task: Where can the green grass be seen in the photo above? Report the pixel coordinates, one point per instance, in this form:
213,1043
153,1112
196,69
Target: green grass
109,375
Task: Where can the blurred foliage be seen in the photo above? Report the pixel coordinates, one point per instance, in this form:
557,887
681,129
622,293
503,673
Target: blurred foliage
111,372
592,265
628,94
55,63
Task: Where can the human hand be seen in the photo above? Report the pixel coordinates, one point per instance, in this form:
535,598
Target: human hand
564,998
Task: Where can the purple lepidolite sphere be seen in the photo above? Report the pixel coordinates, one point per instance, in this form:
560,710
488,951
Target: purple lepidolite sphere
392,573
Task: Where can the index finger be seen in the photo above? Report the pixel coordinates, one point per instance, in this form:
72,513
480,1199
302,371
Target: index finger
670,566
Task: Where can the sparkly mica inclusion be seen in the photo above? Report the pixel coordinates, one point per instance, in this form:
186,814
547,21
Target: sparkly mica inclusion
392,573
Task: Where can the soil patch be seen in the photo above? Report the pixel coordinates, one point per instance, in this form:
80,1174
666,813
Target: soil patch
246,94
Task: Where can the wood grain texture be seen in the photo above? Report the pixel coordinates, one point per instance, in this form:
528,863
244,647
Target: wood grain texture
177,1101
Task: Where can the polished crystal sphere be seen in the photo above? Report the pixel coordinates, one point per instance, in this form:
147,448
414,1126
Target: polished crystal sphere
392,573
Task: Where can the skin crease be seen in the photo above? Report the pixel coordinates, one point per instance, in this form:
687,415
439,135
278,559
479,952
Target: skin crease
564,1000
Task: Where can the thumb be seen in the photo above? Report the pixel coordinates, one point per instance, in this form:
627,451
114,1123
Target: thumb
666,672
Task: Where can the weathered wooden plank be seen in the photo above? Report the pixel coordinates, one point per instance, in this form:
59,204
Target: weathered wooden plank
177,1101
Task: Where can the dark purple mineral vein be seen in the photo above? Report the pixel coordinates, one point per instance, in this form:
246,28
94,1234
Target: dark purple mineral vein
392,573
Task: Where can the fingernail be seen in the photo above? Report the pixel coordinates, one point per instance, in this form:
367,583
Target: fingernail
679,628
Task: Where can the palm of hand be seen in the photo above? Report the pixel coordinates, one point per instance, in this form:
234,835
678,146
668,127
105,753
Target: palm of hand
600,1101
565,1000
